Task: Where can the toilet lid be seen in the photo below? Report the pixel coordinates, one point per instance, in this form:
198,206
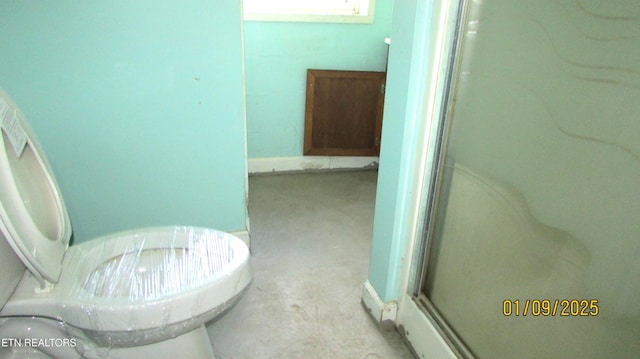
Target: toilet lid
33,217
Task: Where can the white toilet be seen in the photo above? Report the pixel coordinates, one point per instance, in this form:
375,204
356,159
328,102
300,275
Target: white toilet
143,293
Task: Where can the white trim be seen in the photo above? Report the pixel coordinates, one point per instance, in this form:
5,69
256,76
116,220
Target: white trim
383,313
337,19
309,163
364,14
244,235
421,334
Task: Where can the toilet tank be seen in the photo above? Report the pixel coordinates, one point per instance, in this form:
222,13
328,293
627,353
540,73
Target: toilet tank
11,270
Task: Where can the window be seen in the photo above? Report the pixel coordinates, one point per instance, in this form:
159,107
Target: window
355,11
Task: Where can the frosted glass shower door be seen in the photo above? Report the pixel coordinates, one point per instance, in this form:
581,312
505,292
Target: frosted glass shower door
534,247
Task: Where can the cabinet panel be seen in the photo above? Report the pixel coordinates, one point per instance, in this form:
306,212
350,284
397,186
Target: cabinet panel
343,115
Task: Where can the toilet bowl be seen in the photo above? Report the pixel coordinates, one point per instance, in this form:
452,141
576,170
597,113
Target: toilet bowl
145,292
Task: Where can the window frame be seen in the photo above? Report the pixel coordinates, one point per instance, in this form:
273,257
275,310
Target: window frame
358,11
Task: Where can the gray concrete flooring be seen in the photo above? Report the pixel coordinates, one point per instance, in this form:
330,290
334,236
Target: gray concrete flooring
311,241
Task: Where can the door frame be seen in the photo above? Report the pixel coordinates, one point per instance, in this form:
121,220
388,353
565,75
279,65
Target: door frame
419,328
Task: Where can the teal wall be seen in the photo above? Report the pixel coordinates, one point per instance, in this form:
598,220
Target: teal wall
278,55
139,106
396,174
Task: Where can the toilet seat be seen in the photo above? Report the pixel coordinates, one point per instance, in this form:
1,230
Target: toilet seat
90,294
33,216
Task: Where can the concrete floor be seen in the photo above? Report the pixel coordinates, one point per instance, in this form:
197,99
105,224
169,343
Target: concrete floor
311,240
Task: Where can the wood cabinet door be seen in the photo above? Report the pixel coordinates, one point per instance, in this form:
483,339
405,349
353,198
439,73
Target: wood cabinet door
343,115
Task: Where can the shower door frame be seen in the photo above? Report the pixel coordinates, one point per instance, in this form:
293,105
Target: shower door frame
424,330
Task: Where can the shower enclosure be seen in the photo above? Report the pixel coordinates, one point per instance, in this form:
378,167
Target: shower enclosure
531,242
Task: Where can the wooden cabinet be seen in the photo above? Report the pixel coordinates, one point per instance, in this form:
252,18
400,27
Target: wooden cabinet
343,115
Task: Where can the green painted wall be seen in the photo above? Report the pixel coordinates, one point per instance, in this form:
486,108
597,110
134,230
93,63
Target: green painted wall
405,87
138,104
278,55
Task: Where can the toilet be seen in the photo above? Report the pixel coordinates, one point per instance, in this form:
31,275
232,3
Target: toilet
143,293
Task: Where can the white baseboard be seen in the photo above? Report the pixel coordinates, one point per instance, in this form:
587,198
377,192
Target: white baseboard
309,163
383,313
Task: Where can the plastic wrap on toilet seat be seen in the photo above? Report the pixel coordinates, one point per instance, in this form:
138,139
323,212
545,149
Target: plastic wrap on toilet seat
146,270
143,273
156,282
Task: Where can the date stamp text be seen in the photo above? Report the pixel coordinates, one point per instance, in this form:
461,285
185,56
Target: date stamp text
550,307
